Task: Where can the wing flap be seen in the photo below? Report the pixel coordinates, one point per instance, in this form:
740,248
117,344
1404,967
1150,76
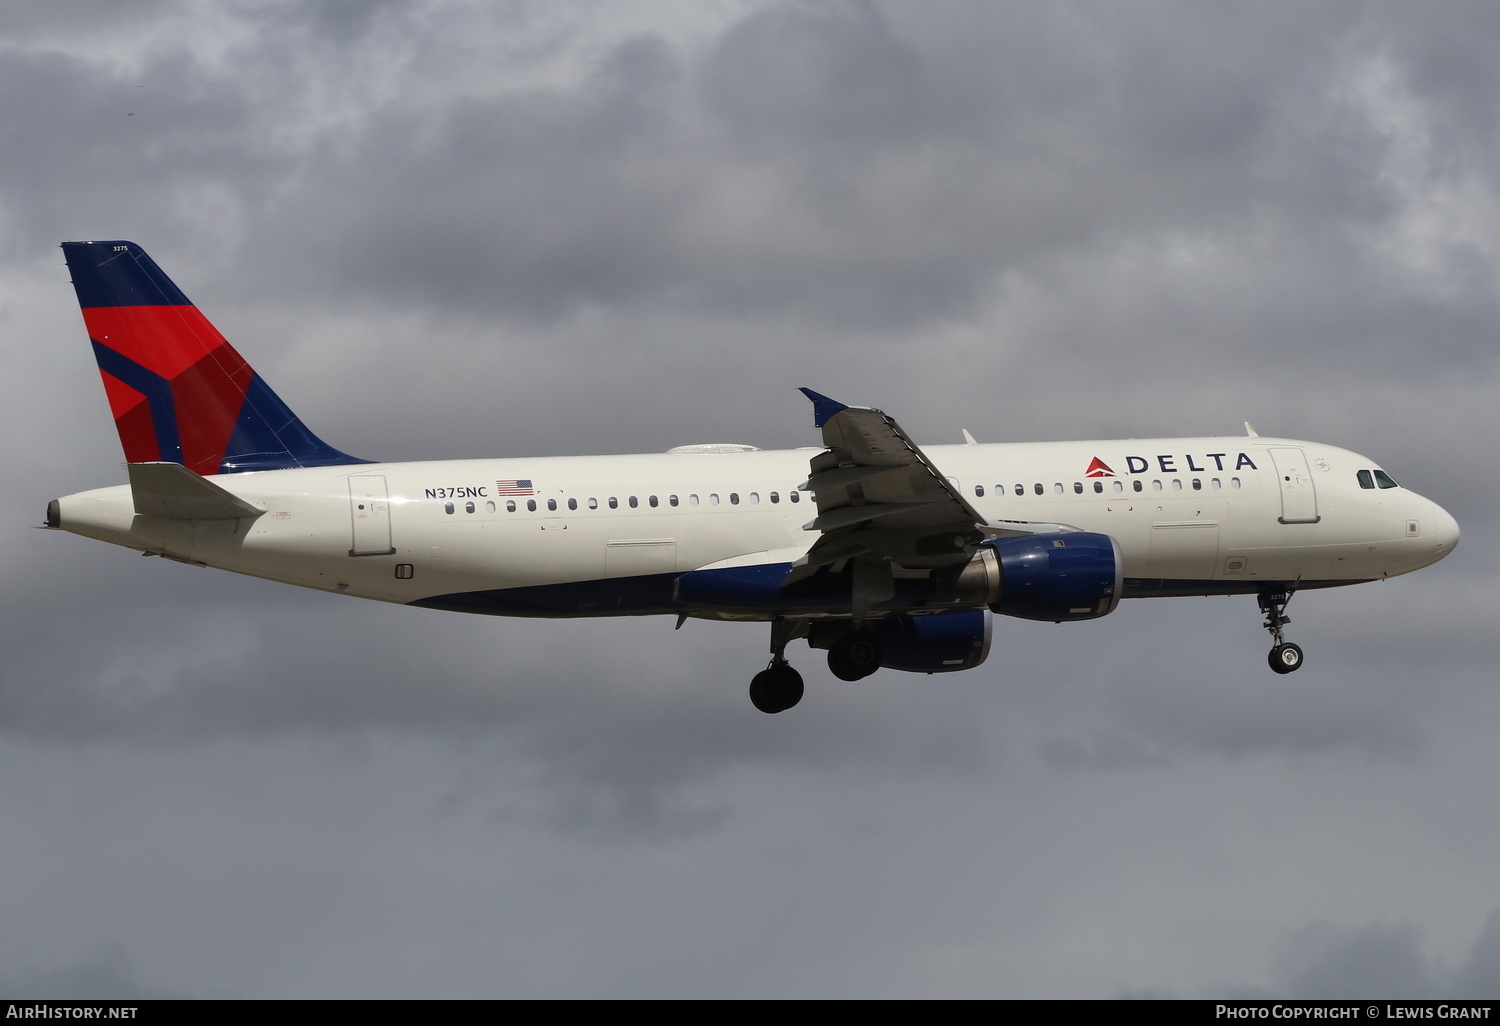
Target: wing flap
847,516
880,497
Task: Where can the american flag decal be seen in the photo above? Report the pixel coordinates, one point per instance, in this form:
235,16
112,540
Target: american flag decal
516,487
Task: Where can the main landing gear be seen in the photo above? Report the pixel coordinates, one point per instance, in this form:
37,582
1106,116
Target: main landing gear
854,656
778,687
1284,656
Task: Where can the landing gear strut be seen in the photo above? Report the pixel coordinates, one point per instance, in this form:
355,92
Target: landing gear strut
1284,656
778,687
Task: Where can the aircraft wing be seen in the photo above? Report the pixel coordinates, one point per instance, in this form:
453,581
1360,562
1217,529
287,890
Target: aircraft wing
880,498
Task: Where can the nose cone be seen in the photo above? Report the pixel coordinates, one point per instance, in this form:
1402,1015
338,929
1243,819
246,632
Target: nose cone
1443,530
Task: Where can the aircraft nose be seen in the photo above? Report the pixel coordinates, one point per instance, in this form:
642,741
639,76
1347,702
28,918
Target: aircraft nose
1444,531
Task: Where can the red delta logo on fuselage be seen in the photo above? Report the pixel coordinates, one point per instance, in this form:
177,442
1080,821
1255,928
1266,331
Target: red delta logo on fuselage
1168,464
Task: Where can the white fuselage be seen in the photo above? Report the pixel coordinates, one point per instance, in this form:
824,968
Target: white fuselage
1192,516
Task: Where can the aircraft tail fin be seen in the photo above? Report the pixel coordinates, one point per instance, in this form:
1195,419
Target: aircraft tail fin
178,391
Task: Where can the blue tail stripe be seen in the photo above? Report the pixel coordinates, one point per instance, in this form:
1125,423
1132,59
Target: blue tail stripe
125,276
158,393
269,436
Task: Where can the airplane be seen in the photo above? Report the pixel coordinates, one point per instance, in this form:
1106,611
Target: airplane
876,550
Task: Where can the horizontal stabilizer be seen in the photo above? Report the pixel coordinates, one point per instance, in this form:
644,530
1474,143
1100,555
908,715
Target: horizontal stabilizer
174,492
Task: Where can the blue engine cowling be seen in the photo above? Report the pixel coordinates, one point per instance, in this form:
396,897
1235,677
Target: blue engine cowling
936,643
918,643
1077,575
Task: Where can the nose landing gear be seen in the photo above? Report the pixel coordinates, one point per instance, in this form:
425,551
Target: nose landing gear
1284,656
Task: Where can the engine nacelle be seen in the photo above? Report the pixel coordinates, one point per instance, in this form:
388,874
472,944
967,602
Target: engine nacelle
926,643
936,643
1076,575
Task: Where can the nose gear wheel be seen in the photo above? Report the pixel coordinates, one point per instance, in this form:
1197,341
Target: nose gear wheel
1284,656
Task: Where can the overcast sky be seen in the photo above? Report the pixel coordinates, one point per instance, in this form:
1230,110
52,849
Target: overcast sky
465,229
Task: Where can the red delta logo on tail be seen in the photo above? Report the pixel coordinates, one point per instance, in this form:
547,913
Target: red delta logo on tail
179,392
175,386
1098,468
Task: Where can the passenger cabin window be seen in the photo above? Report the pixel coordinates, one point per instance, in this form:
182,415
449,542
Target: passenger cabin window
734,498
775,497
1020,489
1138,485
468,507
531,505
593,503
794,496
633,502
510,505
1039,489
1099,486
979,490
651,502
552,504
1078,487
614,503
447,507
572,503
671,500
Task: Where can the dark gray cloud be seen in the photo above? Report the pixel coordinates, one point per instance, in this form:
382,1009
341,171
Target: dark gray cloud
1323,961
447,230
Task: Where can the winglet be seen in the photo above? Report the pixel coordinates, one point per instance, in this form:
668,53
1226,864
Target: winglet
824,408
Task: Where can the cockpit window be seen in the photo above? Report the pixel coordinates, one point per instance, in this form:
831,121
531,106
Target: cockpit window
1384,480
1365,480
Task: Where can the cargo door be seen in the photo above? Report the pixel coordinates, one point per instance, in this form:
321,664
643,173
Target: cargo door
640,557
1185,550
